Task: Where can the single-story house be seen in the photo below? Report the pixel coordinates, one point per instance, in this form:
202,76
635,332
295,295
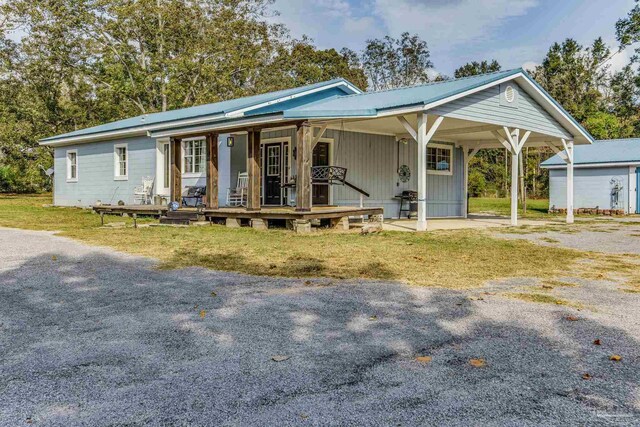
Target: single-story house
607,176
326,144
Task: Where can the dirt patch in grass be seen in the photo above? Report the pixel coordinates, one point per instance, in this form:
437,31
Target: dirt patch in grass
549,240
542,299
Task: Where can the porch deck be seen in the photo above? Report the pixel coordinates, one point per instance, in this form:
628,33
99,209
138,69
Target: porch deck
265,212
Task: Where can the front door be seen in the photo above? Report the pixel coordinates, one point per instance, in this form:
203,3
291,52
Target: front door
321,158
273,166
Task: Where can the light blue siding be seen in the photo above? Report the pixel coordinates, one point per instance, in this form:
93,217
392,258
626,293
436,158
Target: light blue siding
592,187
372,162
488,106
96,172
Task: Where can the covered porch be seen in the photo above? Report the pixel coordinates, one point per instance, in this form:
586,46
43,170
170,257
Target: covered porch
442,127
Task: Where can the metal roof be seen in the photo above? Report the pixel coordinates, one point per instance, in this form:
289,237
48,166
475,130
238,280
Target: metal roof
370,103
618,151
332,99
150,121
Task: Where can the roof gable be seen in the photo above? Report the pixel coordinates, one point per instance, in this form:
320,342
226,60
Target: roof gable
432,95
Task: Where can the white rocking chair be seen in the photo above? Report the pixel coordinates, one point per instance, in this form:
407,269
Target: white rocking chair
238,196
143,194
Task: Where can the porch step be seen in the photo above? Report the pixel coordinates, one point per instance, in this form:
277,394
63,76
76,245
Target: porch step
188,215
174,221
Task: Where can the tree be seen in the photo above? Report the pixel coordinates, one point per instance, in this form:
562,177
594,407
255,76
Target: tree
474,68
390,63
576,76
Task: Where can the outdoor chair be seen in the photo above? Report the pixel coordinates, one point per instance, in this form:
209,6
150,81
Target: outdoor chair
193,196
143,194
238,196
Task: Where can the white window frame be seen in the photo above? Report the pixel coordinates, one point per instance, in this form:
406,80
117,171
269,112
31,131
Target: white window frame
68,161
451,151
191,174
116,162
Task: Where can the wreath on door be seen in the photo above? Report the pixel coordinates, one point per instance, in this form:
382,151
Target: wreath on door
404,173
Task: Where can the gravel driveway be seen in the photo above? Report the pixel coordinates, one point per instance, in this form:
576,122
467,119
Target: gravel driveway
92,337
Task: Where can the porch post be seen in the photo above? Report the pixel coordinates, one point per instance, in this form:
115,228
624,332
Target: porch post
515,154
465,193
253,170
211,200
176,172
569,148
422,172
304,140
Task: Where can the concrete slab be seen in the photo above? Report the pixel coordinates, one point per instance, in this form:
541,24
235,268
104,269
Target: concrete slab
473,222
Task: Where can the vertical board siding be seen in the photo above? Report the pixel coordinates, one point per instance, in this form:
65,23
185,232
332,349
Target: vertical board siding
485,107
96,172
591,187
371,162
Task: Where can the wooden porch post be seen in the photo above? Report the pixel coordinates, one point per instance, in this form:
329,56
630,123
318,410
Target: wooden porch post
253,170
304,140
211,200
176,172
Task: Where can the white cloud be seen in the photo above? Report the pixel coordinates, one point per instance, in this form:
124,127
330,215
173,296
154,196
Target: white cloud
449,22
331,23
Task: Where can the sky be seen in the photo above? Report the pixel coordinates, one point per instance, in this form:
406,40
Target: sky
515,32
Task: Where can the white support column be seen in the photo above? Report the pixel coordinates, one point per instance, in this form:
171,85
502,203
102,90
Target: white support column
422,172
426,129
515,161
465,193
568,146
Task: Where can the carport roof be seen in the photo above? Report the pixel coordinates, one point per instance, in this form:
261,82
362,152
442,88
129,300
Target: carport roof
613,151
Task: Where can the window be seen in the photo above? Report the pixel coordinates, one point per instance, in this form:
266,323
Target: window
273,160
121,161
439,159
194,156
72,166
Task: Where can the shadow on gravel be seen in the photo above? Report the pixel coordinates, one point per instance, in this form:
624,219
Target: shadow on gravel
101,340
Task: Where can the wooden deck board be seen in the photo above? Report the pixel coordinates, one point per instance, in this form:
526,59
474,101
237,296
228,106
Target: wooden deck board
276,212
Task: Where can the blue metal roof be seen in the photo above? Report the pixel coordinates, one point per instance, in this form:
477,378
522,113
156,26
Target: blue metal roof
223,107
370,103
604,151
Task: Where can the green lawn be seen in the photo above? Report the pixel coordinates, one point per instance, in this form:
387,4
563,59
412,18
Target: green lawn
463,258
536,208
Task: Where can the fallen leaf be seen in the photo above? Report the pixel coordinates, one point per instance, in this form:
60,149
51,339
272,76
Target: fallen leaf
423,359
615,358
477,363
280,358
596,342
571,318
586,376
54,258
374,317
213,294
202,314
308,282
304,416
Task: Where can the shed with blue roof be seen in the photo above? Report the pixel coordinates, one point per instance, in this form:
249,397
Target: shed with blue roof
607,176
322,145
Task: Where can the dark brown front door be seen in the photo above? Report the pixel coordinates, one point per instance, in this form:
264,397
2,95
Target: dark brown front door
272,170
321,158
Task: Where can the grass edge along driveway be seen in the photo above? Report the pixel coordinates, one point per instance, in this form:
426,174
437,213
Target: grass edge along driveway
452,259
